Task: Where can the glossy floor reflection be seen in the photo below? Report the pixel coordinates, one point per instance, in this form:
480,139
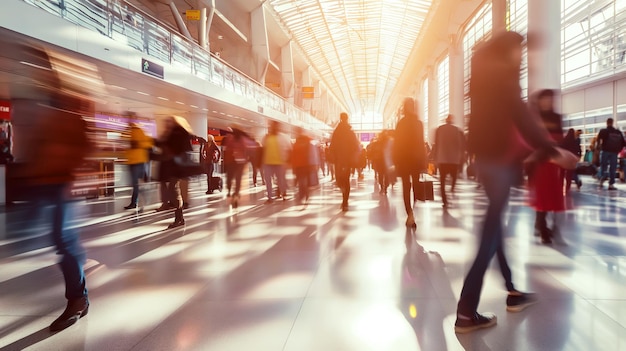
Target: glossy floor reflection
284,277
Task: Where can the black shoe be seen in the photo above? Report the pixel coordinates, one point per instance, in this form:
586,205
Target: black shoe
76,309
478,321
130,207
612,187
177,223
209,192
164,207
518,301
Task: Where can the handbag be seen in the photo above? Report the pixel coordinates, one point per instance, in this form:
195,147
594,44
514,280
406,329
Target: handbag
187,166
423,189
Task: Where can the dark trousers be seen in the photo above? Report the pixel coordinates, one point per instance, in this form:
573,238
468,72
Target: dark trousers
446,169
209,175
303,177
65,239
342,173
497,181
409,182
234,172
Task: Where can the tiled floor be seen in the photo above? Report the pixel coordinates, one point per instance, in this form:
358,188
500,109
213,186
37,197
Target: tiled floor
279,277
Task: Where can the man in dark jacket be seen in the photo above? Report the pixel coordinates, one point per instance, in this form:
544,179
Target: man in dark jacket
611,142
497,106
344,147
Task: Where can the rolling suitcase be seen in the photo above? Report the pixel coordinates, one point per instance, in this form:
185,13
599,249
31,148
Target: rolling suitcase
423,190
216,184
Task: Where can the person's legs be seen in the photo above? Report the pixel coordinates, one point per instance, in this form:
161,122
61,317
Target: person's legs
209,176
342,173
184,191
454,172
282,180
612,160
268,173
444,170
136,172
72,258
602,175
175,195
406,193
497,181
504,268
254,174
230,173
238,174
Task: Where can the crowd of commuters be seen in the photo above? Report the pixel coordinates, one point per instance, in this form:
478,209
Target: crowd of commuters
532,140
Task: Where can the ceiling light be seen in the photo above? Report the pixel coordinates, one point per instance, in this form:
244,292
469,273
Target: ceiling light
142,93
180,103
162,98
194,106
34,65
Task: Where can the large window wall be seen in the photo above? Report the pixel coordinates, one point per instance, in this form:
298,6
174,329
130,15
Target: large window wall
443,88
593,39
477,30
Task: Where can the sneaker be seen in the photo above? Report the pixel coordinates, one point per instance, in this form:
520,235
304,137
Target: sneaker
612,187
478,321
130,207
518,301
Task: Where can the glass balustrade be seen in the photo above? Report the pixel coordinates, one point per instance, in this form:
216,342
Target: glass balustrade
122,22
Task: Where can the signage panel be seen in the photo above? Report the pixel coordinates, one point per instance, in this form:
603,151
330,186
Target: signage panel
5,110
151,68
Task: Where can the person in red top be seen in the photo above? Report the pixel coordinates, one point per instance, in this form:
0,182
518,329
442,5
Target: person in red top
546,178
301,164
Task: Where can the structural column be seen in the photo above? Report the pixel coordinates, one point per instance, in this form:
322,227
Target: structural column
457,83
544,45
199,124
433,104
260,44
498,14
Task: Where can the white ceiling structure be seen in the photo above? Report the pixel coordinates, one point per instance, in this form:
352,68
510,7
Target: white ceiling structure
359,47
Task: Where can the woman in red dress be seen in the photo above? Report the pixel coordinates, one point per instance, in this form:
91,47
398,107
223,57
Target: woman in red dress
546,178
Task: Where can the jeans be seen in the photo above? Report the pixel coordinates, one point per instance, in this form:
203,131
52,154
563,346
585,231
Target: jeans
608,159
137,171
65,239
270,171
209,175
497,181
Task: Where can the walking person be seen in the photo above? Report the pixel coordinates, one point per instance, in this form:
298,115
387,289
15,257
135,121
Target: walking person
409,154
175,143
546,178
256,161
344,151
58,144
610,141
571,143
449,154
498,117
137,157
211,155
276,153
302,166
236,154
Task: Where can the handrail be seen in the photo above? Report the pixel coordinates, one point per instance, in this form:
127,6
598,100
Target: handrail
157,39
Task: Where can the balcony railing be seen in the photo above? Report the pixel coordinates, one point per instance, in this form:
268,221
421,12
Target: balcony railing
123,22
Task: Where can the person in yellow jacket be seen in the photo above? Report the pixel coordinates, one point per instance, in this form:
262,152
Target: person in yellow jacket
137,156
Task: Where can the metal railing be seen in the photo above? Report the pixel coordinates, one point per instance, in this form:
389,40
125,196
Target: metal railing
123,22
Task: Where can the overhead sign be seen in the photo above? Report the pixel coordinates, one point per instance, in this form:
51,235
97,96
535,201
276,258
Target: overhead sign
151,68
193,15
308,92
5,110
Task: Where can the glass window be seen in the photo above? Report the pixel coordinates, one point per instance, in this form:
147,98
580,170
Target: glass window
425,104
477,30
443,88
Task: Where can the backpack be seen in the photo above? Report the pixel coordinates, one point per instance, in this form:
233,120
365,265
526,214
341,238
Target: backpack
614,141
